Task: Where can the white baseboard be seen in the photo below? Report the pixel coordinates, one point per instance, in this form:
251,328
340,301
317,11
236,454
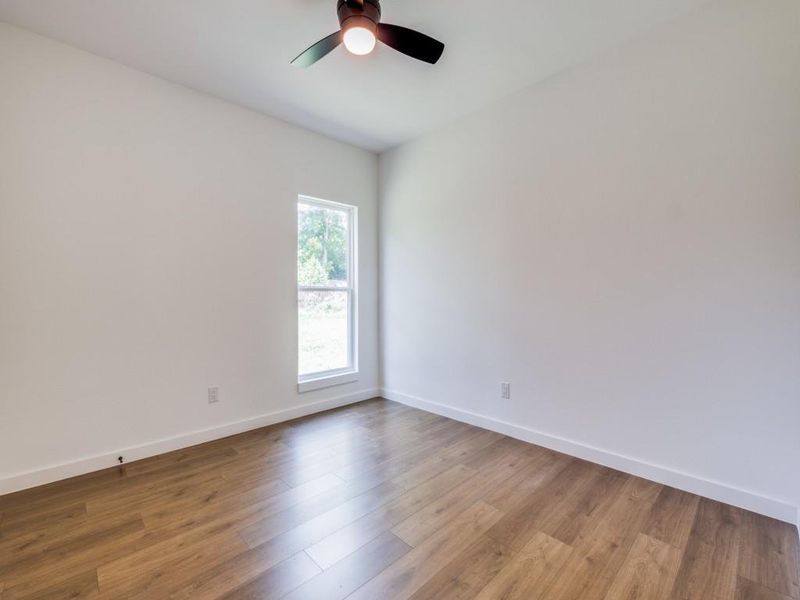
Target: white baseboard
21,481
765,505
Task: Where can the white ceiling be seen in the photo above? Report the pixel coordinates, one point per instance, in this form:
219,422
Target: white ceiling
240,50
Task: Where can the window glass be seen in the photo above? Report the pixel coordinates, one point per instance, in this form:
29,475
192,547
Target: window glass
325,288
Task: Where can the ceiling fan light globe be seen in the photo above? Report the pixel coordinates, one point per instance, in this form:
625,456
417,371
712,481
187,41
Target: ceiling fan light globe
359,40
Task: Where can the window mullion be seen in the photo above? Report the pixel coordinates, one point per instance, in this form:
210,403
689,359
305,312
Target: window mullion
315,288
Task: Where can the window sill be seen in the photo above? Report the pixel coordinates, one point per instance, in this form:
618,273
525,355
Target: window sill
326,381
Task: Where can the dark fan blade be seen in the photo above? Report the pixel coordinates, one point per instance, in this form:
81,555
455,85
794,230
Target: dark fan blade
413,43
318,50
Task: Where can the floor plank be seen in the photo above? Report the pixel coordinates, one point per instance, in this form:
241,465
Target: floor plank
749,590
278,580
709,565
408,574
648,571
421,525
79,587
769,555
672,517
350,538
343,578
467,573
531,572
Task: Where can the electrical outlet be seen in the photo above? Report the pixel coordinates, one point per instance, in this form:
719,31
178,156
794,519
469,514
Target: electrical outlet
505,390
213,394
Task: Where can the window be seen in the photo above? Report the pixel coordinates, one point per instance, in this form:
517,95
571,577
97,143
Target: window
326,293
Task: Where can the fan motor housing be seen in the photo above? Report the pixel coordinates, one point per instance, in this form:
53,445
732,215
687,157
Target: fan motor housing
351,15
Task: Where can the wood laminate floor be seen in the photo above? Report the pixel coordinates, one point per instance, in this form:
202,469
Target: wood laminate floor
379,501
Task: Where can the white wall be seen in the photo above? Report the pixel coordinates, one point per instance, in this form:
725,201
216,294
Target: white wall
147,244
622,244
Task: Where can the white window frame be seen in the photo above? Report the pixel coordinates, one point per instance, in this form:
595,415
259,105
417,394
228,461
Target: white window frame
348,374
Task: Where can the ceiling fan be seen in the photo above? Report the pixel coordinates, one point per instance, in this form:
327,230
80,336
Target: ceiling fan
360,27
